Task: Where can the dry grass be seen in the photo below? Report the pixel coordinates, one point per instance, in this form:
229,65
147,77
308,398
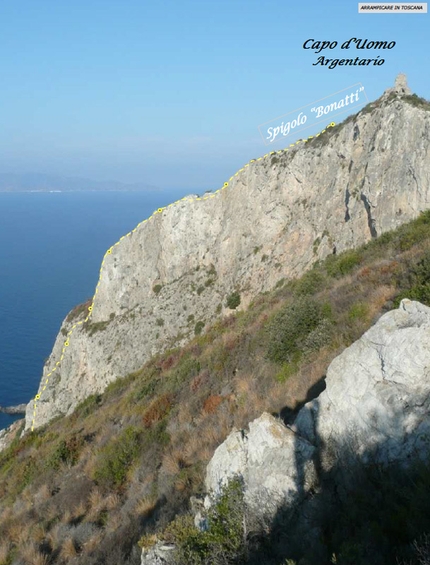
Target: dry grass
214,431
31,555
193,446
379,297
15,533
38,533
4,552
51,511
96,504
157,410
94,542
90,461
79,510
145,506
211,403
112,501
28,495
114,522
185,415
68,549
174,461
53,536
242,384
66,517
230,340
43,494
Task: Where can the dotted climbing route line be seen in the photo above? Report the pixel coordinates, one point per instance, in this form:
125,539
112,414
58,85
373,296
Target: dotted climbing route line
109,251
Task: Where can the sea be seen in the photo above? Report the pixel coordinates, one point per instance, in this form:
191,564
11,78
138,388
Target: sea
51,248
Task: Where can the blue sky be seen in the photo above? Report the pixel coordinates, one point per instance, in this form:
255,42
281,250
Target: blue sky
172,92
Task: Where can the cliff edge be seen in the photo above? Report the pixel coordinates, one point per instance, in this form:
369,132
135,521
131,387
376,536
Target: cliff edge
173,274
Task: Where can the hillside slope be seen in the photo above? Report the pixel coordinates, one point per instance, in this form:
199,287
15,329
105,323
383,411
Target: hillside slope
85,488
175,274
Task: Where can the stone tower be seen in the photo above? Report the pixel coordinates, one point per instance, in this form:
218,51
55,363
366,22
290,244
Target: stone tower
400,86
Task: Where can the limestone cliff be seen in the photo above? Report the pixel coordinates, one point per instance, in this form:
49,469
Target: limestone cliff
172,275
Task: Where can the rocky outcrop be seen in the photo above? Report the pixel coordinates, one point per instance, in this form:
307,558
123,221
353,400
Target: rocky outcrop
375,408
173,274
160,554
18,409
8,434
275,463
378,392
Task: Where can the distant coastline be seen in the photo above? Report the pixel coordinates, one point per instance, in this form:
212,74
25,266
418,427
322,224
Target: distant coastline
83,190
38,182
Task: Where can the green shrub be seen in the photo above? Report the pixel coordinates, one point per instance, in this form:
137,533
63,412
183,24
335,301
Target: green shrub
420,293
66,451
157,435
87,406
319,337
224,540
95,327
187,368
287,370
190,318
338,266
212,271
310,283
160,322
157,288
412,235
199,328
146,389
233,300
418,282
416,101
114,459
29,472
289,328
358,311
200,290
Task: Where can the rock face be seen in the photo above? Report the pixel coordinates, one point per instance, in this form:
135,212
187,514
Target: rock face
274,219
378,391
275,463
377,401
